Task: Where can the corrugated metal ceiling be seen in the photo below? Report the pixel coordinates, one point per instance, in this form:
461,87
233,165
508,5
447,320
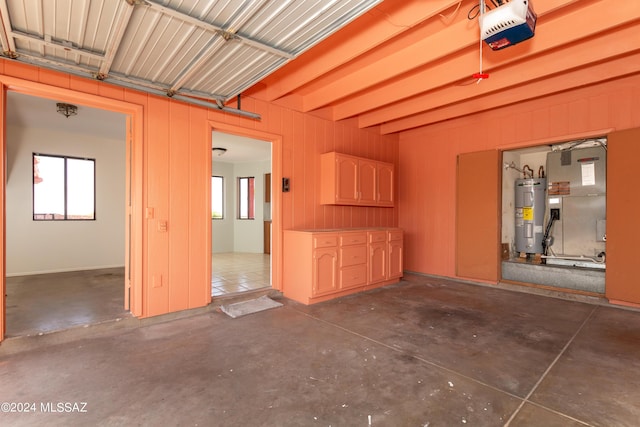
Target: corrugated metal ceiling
195,48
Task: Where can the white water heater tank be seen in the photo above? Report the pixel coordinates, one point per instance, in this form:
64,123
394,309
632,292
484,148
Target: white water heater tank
530,209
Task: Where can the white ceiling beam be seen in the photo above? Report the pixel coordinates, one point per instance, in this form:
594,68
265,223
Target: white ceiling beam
8,44
214,28
204,57
114,42
56,44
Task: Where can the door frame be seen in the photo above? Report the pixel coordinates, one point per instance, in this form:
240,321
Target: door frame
276,195
134,171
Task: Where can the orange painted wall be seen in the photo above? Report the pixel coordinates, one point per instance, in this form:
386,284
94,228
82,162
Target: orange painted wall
427,157
176,168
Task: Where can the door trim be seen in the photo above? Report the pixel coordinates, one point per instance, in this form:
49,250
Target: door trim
133,239
276,195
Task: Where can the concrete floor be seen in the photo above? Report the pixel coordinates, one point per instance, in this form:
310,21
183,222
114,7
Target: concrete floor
425,352
45,303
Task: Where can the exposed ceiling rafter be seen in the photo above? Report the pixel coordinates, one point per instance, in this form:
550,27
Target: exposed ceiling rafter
119,27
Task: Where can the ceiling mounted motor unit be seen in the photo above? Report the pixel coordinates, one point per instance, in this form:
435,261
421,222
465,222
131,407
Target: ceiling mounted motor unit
508,24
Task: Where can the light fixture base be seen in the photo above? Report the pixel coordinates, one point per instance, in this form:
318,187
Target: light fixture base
66,110
219,151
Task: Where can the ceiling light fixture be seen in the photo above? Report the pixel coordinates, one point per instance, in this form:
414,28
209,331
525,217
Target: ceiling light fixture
219,151
66,109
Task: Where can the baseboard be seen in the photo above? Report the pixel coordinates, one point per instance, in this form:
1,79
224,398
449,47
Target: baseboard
63,270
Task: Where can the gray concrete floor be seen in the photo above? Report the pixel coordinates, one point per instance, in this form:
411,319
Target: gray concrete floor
44,303
424,352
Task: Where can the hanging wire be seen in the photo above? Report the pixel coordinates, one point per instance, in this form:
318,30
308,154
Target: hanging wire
480,75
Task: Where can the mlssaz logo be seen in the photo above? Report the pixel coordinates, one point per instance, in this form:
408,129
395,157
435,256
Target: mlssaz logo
66,407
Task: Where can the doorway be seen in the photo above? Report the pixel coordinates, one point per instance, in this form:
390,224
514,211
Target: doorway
133,115
554,216
241,214
57,277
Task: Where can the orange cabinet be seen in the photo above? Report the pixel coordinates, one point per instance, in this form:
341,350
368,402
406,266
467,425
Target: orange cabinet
353,260
395,248
324,264
351,180
384,179
377,256
325,271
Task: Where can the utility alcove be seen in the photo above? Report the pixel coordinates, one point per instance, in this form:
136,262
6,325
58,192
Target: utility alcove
554,216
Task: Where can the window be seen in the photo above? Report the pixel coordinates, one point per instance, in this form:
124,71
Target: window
217,197
246,200
63,188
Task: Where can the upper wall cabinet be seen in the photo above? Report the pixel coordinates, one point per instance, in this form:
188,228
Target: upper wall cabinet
350,180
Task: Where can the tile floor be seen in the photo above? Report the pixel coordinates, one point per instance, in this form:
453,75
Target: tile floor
425,352
234,272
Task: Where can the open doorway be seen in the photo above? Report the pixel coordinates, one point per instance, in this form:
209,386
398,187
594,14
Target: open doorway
241,214
554,216
63,270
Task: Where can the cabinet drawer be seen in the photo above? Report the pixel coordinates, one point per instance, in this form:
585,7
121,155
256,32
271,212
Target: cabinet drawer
395,235
353,276
353,255
353,239
321,241
377,236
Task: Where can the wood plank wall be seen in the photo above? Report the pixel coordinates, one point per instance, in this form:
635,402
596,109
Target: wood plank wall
175,267
427,157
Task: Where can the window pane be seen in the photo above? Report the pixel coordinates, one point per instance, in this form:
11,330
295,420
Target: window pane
217,197
63,188
80,189
246,198
243,198
48,187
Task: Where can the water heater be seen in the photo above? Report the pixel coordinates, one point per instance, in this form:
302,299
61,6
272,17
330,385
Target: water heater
530,194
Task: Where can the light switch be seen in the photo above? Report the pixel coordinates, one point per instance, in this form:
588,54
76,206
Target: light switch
162,226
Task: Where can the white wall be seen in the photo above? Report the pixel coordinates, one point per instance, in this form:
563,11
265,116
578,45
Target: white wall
35,247
235,235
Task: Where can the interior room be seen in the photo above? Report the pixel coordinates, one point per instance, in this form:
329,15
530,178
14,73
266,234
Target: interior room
61,275
450,215
241,247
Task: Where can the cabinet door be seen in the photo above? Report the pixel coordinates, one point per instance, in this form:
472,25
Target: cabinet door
346,179
325,271
377,262
367,189
395,259
385,184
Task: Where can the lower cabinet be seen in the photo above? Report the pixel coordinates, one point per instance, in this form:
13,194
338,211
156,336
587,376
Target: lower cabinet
353,260
377,256
395,248
324,264
325,269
